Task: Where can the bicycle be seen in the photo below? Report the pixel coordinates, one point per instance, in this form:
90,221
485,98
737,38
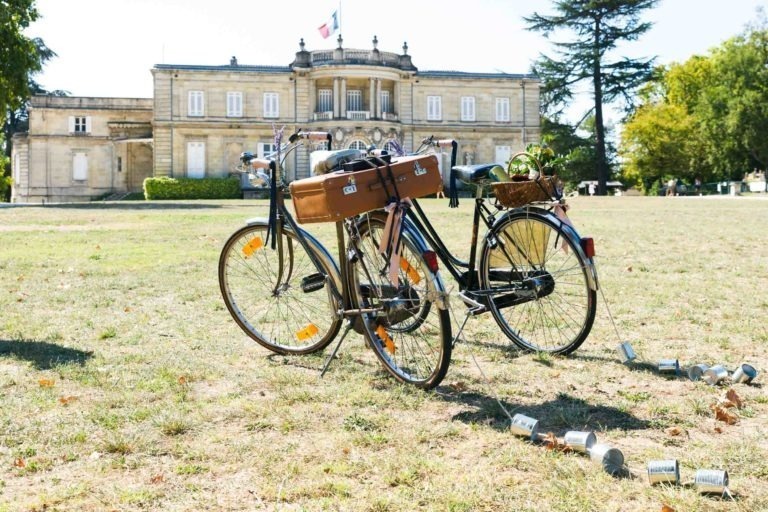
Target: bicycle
286,291
534,273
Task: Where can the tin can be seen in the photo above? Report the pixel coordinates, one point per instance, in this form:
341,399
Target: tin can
610,458
626,354
715,374
669,366
664,472
711,481
745,373
580,441
525,426
696,371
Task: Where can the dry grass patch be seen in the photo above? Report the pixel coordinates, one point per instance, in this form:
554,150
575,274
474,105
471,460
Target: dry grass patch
126,385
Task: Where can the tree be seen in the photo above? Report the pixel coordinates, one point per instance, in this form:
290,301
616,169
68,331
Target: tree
20,58
597,26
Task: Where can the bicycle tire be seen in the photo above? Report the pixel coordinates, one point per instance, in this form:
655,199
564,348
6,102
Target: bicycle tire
541,295
410,332
296,316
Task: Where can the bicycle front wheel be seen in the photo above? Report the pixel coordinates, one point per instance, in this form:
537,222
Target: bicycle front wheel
539,284
285,304
409,330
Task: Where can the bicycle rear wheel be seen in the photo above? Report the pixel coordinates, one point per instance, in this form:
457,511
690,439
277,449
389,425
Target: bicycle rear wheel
287,306
410,331
539,278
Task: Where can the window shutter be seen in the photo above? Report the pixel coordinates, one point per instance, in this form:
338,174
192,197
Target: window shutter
71,124
80,167
88,124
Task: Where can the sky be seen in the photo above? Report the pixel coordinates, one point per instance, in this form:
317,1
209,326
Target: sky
107,48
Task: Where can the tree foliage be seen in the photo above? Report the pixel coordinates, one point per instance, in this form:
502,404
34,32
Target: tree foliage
595,27
706,117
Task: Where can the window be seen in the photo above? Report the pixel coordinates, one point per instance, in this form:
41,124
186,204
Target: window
355,100
234,104
467,108
119,164
271,104
265,149
503,154
502,110
434,108
195,107
80,125
325,100
358,144
195,159
386,106
393,146
80,166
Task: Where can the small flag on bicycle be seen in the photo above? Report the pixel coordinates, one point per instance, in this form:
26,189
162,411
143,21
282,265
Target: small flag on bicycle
330,26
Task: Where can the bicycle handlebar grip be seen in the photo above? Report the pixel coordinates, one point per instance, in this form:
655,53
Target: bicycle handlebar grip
315,135
444,143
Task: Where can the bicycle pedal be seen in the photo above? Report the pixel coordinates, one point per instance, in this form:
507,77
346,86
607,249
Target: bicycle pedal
475,307
312,283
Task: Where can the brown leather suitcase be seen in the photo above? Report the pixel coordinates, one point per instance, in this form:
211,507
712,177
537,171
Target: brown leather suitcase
338,195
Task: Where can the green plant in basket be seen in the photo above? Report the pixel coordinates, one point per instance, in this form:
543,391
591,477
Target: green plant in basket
534,161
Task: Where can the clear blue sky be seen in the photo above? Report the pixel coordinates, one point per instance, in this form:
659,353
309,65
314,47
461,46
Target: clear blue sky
107,47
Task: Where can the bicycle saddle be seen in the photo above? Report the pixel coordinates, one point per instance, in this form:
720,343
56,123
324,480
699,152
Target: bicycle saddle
479,174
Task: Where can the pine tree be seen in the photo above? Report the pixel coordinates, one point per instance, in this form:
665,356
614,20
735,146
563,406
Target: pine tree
595,27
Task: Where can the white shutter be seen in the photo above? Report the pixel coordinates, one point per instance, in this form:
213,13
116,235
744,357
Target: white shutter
80,167
234,104
467,108
503,154
71,124
195,159
88,124
502,110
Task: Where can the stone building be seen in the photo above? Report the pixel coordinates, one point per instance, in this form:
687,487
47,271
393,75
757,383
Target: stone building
203,117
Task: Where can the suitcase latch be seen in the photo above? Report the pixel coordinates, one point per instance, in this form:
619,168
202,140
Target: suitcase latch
418,170
350,188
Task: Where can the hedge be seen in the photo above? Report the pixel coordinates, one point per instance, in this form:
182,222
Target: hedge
191,188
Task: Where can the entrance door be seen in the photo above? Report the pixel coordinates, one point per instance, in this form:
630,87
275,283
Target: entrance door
138,165
195,159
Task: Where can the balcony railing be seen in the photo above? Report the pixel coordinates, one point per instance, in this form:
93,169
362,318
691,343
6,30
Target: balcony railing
388,116
324,116
358,115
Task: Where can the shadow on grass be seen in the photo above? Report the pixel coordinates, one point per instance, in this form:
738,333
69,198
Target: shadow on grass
139,205
41,354
559,415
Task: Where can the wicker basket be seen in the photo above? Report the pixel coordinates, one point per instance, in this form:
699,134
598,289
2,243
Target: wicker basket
520,192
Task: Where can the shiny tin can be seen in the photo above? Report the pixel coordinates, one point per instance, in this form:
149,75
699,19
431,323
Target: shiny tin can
580,441
525,426
745,373
696,372
664,472
711,481
626,353
715,374
669,366
609,457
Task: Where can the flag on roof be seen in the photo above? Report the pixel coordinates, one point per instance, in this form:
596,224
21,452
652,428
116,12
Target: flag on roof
330,26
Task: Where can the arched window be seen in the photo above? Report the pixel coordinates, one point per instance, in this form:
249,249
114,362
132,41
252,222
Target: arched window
358,144
392,146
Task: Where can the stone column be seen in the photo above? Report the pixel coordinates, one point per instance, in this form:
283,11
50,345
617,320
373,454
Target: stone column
336,102
343,98
372,97
396,99
378,98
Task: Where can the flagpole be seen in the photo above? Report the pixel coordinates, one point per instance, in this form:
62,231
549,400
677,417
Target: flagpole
340,32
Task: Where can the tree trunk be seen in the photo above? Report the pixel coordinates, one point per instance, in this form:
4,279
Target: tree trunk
602,168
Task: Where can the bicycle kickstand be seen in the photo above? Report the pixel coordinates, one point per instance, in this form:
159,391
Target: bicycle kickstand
336,348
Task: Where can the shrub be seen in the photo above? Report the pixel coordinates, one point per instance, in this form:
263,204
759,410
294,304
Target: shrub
190,188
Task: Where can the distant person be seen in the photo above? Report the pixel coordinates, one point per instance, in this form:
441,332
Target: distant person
591,189
671,187
697,185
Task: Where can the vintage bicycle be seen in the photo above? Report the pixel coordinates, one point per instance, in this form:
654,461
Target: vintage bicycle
531,270
287,292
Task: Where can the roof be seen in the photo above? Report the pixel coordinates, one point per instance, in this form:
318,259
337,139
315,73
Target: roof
469,74
236,68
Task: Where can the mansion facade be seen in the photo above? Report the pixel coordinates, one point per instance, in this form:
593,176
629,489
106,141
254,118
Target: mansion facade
202,117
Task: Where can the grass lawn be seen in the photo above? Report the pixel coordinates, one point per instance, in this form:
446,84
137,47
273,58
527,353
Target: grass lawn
126,385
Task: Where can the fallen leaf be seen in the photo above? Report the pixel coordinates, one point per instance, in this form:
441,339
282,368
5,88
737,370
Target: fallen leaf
667,508
718,430
724,415
731,396
629,269
674,431
46,383
458,386
182,380
551,443
66,400
157,479
19,463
